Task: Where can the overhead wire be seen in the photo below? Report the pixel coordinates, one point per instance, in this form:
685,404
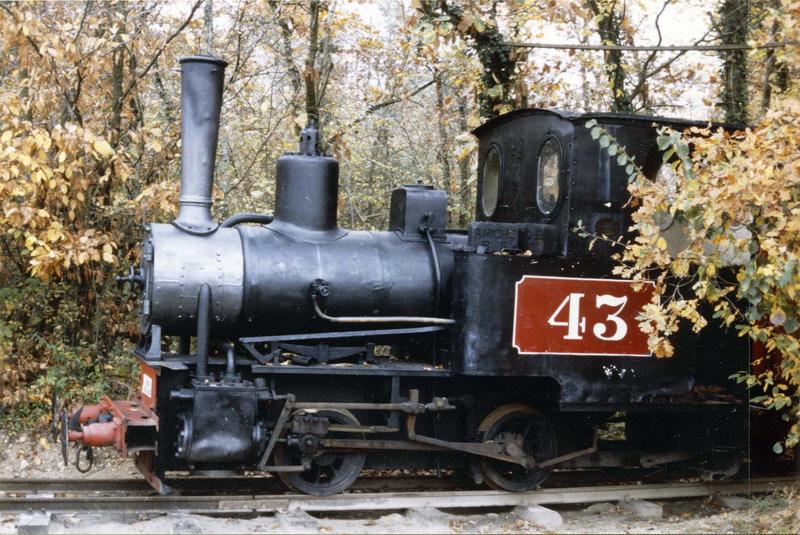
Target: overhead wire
645,48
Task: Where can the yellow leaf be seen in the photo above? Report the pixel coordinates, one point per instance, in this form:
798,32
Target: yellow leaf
661,243
108,257
6,137
103,148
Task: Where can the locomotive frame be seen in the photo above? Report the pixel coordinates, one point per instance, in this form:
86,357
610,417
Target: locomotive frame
292,316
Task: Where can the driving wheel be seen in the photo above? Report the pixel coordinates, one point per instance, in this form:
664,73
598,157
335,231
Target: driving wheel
517,427
330,472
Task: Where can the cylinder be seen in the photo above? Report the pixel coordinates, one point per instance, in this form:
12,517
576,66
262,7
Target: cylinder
100,434
368,273
201,100
307,192
177,265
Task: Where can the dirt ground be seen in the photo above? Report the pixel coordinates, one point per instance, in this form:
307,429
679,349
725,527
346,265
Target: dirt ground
774,514
33,457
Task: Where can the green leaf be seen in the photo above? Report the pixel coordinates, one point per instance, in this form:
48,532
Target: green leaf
622,159
663,142
604,141
788,273
683,150
612,149
596,131
630,168
591,123
777,448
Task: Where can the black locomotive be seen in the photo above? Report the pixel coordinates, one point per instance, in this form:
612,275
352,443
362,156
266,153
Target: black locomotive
288,344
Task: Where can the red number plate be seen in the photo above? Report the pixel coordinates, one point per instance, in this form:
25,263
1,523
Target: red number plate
570,316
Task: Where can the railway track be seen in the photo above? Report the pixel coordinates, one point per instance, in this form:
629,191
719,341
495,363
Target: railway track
264,485
207,486
250,503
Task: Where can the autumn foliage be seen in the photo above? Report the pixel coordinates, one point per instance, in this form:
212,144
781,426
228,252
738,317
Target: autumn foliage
723,229
89,150
71,153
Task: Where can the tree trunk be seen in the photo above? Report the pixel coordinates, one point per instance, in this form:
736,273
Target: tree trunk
609,28
465,208
117,73
771,66
208,28
444,142
733,30
498,59
310,74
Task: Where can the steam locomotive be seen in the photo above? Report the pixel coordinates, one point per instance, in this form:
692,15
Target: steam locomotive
287,344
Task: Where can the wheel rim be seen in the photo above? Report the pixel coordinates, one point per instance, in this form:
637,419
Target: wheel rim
330,473
529,431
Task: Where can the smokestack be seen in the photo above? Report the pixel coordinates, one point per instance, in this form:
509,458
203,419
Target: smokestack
201,100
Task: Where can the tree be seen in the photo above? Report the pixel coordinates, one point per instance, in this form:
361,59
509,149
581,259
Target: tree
630,81
726,234
497,58
733,29
609,19
75,149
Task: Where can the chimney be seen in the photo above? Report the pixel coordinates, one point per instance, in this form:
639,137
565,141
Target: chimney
201,101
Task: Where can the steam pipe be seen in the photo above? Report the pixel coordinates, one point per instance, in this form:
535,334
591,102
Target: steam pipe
230,363
234,220
437,272
201,102
378,319
203,329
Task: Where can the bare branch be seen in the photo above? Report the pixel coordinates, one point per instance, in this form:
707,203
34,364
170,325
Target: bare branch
154,59
666,48
375,107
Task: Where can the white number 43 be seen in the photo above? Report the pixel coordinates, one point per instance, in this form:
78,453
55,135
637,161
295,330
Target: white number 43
576,324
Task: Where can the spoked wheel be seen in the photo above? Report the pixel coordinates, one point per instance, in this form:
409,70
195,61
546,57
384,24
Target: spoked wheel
523,427
330,472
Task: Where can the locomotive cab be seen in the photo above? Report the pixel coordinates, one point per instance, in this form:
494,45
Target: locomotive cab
541,168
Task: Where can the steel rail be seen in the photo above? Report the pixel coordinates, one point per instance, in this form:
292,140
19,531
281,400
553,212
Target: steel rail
215,485
248,504
241,484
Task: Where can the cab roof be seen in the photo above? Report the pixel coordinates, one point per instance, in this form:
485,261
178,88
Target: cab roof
603,117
